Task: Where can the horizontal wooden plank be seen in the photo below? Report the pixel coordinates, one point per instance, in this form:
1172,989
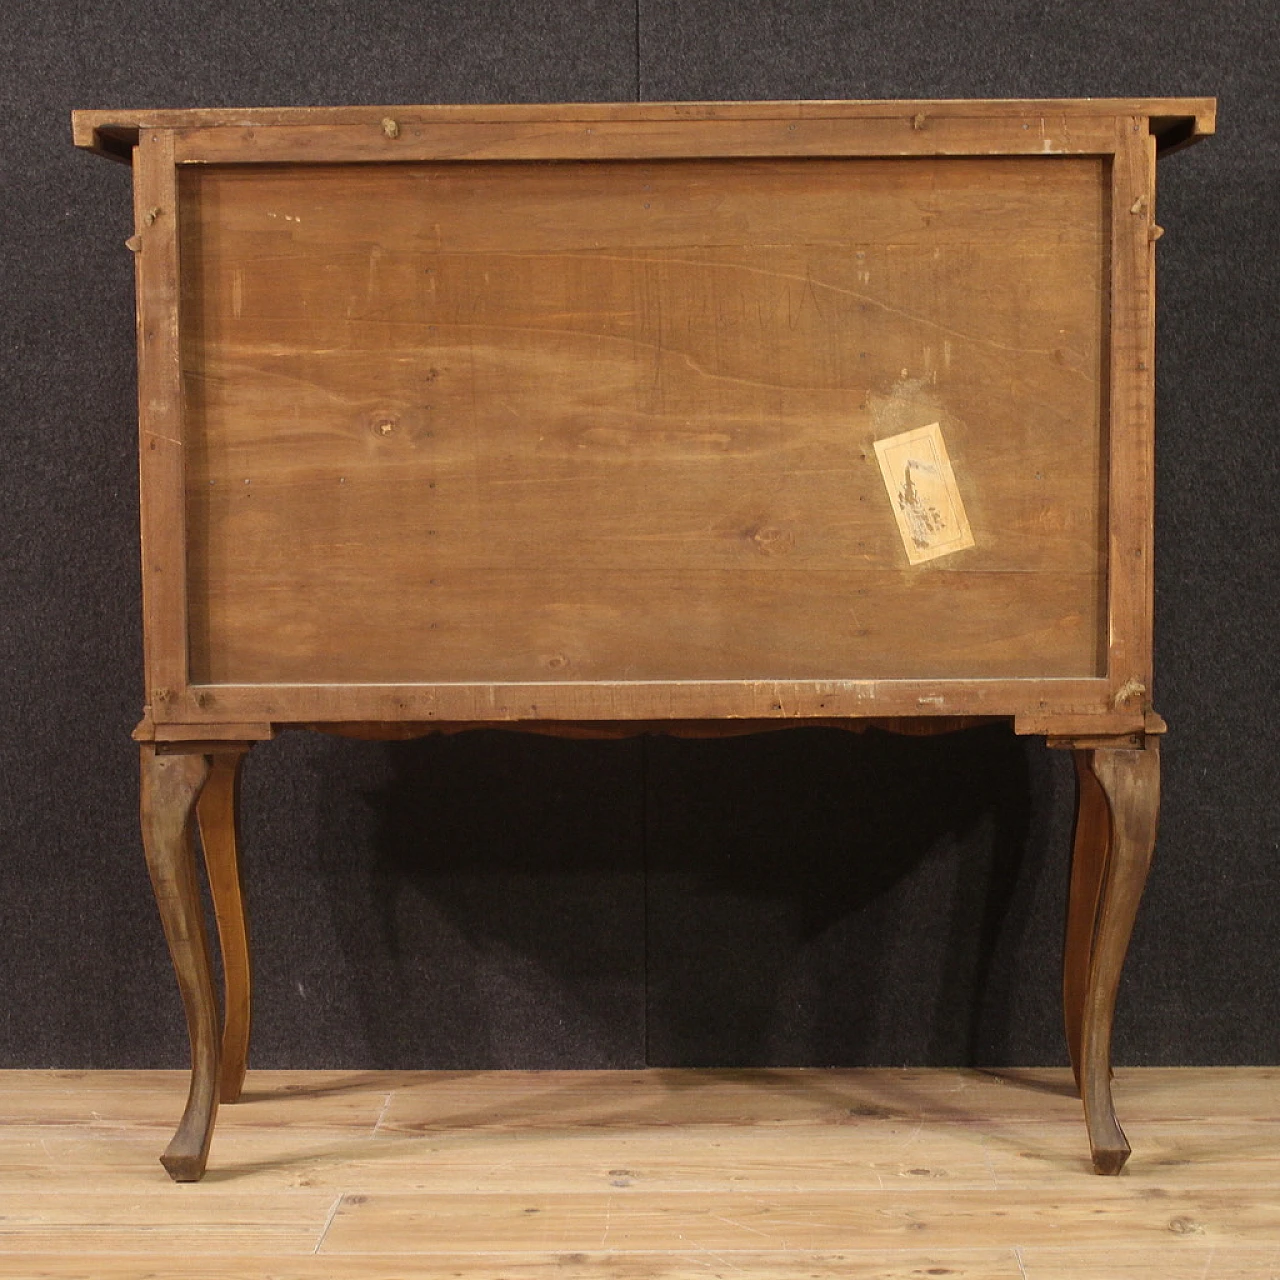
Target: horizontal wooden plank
794,700
412,214
1099,1212
1181,1259
776,1095
839,1096
1050,133
118,1099
688,1263
166,1221
112,132
257,522
232,735
447,625
280,1148
280,1151
1175,1261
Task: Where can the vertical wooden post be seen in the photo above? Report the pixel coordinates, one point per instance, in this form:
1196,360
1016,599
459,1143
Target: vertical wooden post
161,460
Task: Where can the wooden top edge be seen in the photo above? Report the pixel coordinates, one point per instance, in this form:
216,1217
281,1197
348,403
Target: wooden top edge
1176,122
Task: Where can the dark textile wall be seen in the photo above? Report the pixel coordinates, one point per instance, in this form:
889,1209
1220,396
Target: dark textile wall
497,900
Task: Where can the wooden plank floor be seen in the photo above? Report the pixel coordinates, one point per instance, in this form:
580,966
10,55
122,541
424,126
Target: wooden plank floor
633,1175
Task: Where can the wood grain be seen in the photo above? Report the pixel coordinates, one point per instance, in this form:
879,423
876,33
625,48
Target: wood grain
660,1173
901,135
872,1264
217,813
211,1225
615,422
1174,121
1091,847
862,1155
1130,782
1132,416
161,420
1191,1262
1084,705
170,787
826,1221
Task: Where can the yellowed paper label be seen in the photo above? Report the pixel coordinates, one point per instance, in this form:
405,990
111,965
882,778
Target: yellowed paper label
922,488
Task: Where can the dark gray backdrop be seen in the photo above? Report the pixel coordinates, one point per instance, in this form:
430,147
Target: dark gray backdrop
497,900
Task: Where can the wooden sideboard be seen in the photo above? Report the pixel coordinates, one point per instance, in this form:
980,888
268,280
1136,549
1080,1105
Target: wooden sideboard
684,417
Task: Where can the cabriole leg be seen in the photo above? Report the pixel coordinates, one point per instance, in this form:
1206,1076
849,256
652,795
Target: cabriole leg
217,813
1129,780
171,783
1090,849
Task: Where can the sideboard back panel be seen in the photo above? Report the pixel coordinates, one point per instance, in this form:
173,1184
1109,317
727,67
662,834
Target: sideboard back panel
615,420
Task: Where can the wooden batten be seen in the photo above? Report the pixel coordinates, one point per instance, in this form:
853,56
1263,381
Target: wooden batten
1175,122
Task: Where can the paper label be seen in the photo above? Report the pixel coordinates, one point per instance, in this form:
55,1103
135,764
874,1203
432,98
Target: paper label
922,489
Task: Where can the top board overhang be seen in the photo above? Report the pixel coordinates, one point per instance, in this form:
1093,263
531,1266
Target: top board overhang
1175,122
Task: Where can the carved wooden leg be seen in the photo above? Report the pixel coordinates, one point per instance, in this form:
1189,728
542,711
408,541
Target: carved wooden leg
170,786
217,812
1089,853
1130,782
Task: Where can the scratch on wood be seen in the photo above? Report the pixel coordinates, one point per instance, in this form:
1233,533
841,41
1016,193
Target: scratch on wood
333,1213
799,279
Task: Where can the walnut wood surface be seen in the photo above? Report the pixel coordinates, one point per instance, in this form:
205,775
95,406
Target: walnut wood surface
170,787
1129,781
614,422
1175,122
1091,846
217,813
1131,431
161,422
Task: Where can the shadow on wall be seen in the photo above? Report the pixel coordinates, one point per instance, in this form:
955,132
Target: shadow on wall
840,903
811,897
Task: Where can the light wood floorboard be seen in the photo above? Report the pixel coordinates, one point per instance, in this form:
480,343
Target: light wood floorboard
638,1175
